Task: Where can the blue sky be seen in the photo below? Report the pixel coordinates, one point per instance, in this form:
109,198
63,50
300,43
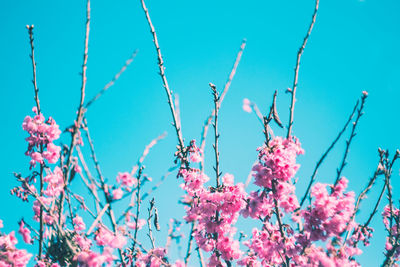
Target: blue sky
354,47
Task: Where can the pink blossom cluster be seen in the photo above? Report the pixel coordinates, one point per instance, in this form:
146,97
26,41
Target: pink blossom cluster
126,183
326,219
94,259
270,245
153,258
362,234
25,232
328,216
330,213
49,210
391,220
195,153
215,210
10,256
130,221
277,161
274,244
55,183
42,133
104,238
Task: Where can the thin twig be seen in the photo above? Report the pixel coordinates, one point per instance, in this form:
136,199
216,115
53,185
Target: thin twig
32,56
216,134
279,219
150,234
138,201
250,175
146,152
224,92
170,170
80,110
201,258
112,82
149,252
190,243
36,89
98,218
104,188
352,135
296,69
362,195
91,187
164,78
321,160
178,110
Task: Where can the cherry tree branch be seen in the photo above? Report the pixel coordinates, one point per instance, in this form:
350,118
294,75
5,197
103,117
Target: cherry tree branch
112,82
164,78
224,92
297,67
352,135
321,160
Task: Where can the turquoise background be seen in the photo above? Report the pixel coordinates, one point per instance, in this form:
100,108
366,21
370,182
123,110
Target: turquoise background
353,47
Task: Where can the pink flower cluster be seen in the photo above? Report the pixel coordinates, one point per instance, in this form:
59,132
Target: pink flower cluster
25,232
154,258
55,183
391,220
127,182
277,161
42,133
48,216
10,256
195,153
106,238
330,213
94,259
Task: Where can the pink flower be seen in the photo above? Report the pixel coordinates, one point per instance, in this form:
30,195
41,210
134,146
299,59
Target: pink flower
79,225
133,226
55,182
25,232
228,179
194,152
126,179
53,153
117,194
247,105
106,238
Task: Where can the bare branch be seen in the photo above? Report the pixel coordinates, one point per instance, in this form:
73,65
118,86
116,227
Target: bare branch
112,82
30,31
216,134
164,78
224,92
352,135
296,69
98,218
146,152
321,160
190,243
